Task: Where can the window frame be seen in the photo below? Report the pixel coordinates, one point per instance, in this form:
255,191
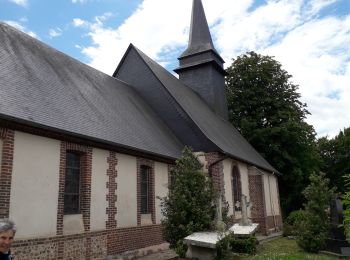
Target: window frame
75,210
145,171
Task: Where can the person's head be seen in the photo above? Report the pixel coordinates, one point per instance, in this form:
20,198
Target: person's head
7,233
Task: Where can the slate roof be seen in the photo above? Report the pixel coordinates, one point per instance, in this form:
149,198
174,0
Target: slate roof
200,38
43,87
216,130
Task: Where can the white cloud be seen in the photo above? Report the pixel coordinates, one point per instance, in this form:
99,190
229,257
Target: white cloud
23,3
312,48
22,28
77,22
53,33
79,1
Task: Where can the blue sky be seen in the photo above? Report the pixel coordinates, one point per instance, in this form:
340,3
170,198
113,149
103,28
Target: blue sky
311,38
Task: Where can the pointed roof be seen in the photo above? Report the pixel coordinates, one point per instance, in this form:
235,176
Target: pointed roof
200,39
44,88
219,135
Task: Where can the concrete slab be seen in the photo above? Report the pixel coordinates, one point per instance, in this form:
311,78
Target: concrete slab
203,239
240,230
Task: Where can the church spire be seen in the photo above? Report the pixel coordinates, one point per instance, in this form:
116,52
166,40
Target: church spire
200,38
201,67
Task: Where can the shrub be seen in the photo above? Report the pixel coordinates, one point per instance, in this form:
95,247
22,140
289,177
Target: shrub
292,223
223,247
314,228
231,244
190,204
246,245
180,248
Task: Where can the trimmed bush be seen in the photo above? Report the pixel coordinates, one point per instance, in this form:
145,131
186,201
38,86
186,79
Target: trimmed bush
231,244
292,223
246,245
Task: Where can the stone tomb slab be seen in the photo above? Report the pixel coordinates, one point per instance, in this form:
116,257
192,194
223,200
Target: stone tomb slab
203,239
345,251
201,245
241,230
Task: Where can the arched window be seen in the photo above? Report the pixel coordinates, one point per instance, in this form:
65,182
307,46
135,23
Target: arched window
236,188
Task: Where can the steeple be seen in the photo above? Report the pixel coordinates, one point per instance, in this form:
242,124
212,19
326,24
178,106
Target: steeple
200,38
201,67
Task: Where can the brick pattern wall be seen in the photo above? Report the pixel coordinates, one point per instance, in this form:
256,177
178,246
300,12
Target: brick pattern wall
80,246
216,171
152,199
85,200
8,137
257,198
137,237
111,198
89,245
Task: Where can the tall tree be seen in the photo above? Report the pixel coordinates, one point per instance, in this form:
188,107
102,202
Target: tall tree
265,107
335,154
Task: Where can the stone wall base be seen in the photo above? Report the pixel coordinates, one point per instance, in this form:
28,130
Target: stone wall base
89,245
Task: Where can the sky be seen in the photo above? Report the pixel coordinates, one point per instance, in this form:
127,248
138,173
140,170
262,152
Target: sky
310,38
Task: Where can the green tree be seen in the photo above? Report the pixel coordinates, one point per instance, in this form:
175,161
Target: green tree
265,107
335,154
314,228
189,206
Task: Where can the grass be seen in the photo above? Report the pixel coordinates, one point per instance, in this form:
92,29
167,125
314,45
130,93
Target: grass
285,249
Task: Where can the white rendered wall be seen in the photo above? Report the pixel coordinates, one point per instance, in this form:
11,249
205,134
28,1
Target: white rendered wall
271,195
161,186
243,169
34,191
126,191
227,164
267,194
275,194
99,190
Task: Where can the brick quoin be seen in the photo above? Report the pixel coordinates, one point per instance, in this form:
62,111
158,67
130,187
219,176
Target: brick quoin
111,197
216,171
7,136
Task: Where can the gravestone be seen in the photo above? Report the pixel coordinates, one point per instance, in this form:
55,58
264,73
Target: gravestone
336,242
202,245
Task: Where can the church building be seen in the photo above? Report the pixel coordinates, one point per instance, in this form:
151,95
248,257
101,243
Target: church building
84,155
